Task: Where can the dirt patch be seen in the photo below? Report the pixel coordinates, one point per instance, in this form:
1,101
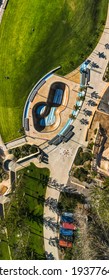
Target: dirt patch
3,189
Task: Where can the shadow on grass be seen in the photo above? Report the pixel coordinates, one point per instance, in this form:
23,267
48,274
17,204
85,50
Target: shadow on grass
42,180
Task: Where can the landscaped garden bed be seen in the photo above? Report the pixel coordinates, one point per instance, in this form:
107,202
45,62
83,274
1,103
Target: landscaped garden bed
81,168
106,74
23,151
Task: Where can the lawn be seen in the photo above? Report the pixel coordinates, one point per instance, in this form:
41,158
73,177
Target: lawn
24,216
37,36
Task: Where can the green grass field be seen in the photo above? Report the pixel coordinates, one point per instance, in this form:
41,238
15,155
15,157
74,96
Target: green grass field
24,216
35,37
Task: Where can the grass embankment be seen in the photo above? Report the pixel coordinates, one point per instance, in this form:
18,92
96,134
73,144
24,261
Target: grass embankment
36,37
24,215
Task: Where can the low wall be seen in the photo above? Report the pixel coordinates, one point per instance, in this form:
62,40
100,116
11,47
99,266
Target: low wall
27,103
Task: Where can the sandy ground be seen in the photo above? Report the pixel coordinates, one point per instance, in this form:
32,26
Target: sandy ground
74,76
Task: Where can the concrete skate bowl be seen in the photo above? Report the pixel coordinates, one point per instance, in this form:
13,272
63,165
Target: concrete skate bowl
47,115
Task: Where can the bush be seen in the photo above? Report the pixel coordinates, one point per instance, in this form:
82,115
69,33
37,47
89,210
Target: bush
82,157
78,158
81,174
89,180
3,174
90,146
23,151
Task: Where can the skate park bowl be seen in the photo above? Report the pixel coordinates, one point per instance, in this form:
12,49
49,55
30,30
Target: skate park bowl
47,114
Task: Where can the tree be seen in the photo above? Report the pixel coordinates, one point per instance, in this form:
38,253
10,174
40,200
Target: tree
71,116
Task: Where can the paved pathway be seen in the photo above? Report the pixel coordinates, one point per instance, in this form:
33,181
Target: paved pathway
62,157
2,145
15,143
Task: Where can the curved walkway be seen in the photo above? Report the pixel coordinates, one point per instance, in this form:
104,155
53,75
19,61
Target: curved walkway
62,157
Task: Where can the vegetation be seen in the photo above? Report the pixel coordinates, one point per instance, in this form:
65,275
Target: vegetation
82,98
92,237
81,174
74,253
106,74
71,204
106,182
71,116
43,36
82,157
23,151
24,214
82,166
70,201
3,173
4,253
90,145
99,222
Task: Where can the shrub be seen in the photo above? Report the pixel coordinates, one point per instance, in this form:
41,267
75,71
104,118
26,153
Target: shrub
95,130
23,151
81,157
81,174
90,146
